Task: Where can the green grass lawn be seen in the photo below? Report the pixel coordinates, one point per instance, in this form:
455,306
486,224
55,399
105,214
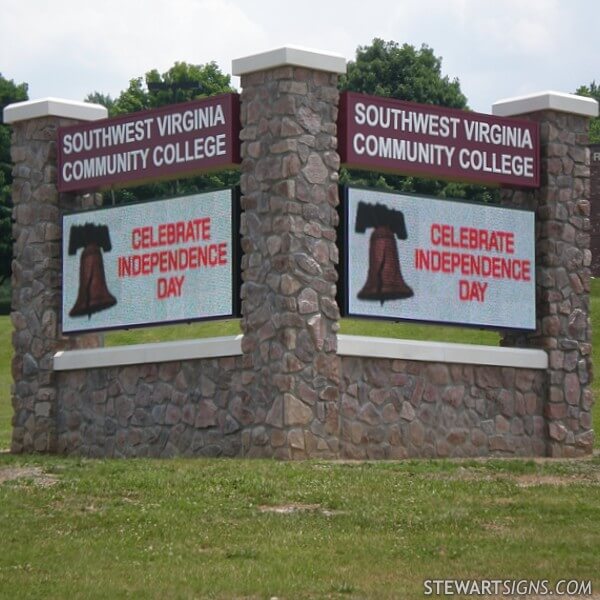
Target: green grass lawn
262,529
348,326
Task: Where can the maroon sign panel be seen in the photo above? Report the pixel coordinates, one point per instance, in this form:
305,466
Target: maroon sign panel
176,140
384,134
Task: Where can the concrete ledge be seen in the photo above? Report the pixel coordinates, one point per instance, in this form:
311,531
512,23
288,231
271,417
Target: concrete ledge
569,103
348,345
294,56
148,353
355,345
54,107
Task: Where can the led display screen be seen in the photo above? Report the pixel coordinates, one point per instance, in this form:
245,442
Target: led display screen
438,260
156,262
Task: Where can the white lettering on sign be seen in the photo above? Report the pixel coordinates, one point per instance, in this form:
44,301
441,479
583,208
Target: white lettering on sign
104,137
596,156
402,120
138,131
501,135
441,125
191,120
134,160
165,142
386,134
385,147
189,150
490,162
109,164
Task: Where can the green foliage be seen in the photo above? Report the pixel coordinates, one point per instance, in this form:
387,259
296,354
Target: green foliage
403,72
103,99
592,91
5,297
183,82
9,93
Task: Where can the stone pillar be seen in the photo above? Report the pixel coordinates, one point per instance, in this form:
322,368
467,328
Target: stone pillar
289,196
37,266
563,260
595,208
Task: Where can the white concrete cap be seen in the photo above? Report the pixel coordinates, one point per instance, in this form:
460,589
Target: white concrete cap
95,358
569,103
348,345
54,107
293,56
445,352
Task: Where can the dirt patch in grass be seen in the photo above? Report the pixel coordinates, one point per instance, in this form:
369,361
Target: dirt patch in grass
497,526
36,474
292,508
522,480
533,480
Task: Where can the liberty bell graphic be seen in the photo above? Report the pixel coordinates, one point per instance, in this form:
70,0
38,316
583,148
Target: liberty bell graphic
93,295
384,279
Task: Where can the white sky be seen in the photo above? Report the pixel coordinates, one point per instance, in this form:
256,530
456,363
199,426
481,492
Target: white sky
496,48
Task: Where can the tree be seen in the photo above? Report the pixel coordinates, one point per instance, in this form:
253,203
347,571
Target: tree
9,92
103,99
181,83
592,91
403,72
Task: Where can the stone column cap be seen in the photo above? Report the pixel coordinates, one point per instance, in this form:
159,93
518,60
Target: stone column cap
559,101
289,56
53,107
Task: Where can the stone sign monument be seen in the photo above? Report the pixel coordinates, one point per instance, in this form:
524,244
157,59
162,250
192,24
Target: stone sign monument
290,386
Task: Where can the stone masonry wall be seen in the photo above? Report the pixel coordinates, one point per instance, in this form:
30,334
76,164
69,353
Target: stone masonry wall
399,409
290,316
595,208
189,408
389,409
36,282
563,260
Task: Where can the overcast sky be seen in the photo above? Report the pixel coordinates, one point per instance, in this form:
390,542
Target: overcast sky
496,48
